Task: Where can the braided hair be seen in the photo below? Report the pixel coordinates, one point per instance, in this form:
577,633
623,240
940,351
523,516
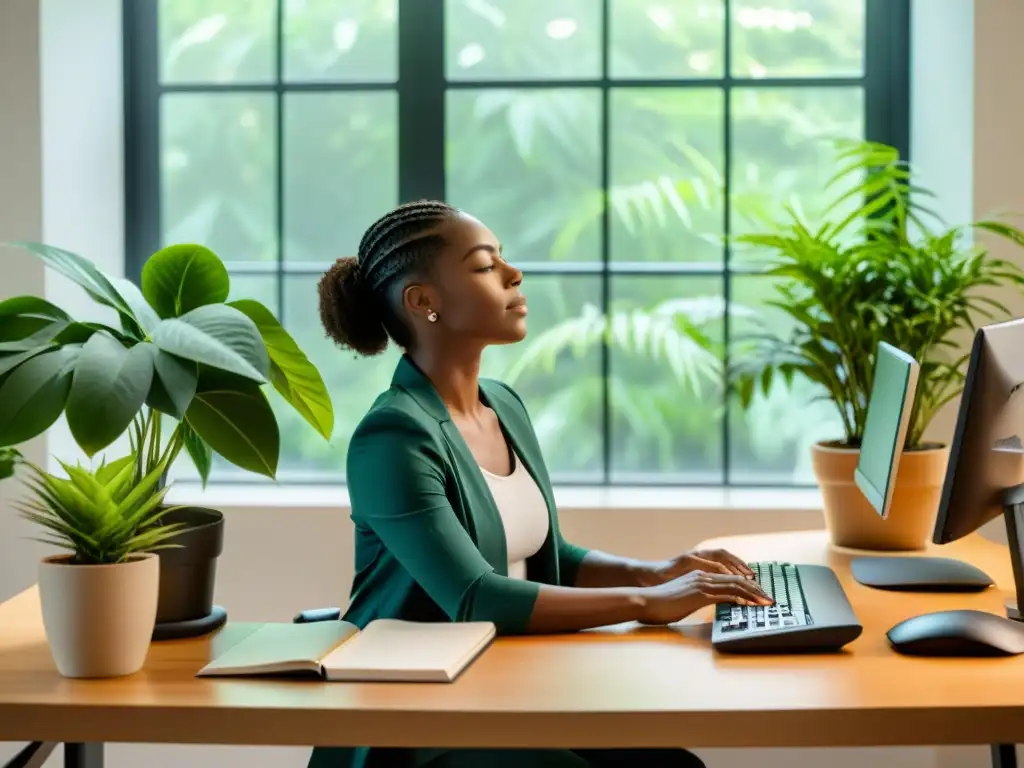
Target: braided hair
360,297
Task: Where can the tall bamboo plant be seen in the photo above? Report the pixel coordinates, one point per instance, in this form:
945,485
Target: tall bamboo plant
879,266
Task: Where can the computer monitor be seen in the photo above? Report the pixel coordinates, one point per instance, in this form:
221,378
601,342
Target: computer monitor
890,406
986,457
893,388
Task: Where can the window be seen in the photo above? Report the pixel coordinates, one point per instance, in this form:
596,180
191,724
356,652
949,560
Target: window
275,131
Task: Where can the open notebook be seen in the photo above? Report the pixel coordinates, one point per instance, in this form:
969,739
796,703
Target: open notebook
386,650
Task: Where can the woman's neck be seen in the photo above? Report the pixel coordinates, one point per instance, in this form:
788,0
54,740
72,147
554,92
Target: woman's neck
455,377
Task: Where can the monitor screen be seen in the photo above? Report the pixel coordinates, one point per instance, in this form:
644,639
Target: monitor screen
885,428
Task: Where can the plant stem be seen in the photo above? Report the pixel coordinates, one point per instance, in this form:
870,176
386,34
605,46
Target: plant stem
148,444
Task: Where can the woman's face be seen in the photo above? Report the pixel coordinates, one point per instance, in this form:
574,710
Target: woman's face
474,291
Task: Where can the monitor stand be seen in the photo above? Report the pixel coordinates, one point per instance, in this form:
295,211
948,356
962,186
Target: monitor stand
919,574
1013,517
944,574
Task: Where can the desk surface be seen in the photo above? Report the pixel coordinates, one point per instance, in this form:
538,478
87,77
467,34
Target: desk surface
620,686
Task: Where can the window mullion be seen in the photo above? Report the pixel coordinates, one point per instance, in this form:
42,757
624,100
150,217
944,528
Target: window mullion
141,134
726,250
606,279
887,73
421,100
279,99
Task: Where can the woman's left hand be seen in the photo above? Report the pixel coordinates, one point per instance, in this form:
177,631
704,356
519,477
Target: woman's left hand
707,560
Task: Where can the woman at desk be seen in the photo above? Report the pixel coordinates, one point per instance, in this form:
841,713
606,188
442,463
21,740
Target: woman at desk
454,512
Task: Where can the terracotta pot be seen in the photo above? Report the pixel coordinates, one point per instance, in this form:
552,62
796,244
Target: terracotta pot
99,618
852,522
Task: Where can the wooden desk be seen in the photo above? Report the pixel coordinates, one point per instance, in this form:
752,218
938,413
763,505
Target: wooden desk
623,686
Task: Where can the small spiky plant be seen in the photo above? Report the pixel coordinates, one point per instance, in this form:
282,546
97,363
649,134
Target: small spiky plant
104,516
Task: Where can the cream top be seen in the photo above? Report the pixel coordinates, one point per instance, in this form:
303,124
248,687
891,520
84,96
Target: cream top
524,513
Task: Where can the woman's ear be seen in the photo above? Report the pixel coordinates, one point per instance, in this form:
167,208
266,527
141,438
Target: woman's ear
420,301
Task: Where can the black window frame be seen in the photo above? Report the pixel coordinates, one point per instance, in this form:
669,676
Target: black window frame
421,89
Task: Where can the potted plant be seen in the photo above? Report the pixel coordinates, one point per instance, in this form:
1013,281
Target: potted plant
99,602
179,360
884,270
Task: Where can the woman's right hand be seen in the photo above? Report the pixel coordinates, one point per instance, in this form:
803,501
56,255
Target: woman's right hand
676,599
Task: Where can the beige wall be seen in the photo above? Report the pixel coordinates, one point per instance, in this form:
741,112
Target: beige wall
278,560
21,217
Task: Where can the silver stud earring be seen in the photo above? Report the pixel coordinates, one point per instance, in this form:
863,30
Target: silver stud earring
432,316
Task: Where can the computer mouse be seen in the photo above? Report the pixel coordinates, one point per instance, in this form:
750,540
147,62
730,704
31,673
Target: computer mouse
958,633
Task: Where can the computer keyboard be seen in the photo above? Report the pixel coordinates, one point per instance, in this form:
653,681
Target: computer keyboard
811,613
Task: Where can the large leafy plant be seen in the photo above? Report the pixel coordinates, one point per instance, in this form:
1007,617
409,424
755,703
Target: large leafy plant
179,352
878,267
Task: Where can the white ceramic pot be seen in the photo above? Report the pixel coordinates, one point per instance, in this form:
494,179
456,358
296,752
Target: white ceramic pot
99,619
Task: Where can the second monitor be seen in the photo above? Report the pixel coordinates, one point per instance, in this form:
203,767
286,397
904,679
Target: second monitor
890,410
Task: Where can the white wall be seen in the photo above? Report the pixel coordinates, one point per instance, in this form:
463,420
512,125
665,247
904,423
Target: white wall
60,130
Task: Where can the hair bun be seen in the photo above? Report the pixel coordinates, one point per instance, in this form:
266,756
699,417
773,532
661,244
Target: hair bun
349,310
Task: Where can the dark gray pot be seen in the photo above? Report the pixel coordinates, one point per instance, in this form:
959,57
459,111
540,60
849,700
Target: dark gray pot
188,571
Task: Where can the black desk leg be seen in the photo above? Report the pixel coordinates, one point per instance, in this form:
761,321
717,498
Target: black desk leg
32,756
1004,756
83,755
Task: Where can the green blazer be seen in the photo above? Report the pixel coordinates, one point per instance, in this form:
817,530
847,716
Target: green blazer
429,541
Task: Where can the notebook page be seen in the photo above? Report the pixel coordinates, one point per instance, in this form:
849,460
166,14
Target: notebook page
279,647
389,649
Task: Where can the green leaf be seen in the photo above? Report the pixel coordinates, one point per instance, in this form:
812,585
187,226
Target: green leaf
199,451
34,306
181,278
174,383
142,313
33,396
240,425
293,375
79,270
10,362
9,459
79,333
16,329
107,391
27,322
107,473
219,336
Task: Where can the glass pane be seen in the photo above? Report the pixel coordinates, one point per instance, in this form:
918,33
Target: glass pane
783,153
217,41
340,170
666,387
522,39
353,382
771,441
653,38
666,174
263,288
557,372
798,38
217,171
527,163
341,40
